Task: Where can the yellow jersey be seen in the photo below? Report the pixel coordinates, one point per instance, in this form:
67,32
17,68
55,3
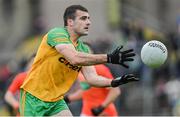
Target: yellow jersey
51,75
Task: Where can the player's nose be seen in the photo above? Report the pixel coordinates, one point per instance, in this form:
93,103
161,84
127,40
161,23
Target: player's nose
88,22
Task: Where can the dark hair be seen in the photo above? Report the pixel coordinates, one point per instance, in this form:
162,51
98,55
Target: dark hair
70,12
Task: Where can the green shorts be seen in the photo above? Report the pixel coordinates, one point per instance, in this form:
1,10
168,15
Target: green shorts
32,106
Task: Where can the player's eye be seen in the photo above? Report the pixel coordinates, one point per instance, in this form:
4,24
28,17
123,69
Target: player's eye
84,18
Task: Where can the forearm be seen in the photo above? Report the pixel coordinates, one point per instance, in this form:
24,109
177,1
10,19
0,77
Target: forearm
80,58
99,81
111,97
91,76
85,59
9,98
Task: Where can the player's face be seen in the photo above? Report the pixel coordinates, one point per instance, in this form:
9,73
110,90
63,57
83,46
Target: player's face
81,23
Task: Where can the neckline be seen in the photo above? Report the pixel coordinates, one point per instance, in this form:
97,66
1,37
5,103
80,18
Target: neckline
74,44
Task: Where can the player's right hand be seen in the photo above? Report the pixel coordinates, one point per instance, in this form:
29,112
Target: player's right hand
123,80
120,57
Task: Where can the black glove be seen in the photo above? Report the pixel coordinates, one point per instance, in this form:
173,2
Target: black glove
123,80
119,57
97,110
66,99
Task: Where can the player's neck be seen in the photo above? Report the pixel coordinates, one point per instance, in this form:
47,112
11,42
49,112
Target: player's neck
73,36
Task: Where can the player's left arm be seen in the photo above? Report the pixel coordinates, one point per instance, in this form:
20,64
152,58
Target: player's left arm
93,78
96,80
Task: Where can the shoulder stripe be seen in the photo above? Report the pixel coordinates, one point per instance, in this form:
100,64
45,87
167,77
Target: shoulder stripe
60,40
62,34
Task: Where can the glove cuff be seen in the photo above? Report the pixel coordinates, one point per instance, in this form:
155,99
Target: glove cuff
113,83
116,82
109,58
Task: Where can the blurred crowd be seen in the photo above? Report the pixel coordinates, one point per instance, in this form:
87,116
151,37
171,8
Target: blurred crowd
157,93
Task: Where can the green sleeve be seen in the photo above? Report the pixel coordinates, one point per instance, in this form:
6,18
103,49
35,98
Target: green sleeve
87,50
83,47
57,36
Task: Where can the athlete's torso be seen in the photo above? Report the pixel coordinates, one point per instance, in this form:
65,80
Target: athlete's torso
51,74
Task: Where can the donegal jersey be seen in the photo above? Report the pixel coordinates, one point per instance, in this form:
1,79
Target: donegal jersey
51,75
93,97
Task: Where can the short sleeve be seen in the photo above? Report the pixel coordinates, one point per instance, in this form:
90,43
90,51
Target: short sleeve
84,86
82,47
57,36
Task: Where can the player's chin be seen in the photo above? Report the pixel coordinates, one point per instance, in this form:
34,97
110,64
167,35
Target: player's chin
84,33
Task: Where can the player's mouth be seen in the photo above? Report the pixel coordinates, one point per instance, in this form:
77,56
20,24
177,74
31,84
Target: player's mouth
86,28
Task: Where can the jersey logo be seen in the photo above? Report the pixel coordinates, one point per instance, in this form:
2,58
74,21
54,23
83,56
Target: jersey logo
73,67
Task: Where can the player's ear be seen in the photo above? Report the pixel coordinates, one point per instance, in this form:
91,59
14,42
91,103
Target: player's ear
70,22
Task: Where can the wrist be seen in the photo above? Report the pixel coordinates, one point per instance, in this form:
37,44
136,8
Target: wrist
116,82
113,84
108,58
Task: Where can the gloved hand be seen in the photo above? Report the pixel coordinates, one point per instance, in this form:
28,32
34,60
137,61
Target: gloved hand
120,57
66,99
123,80
97,110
